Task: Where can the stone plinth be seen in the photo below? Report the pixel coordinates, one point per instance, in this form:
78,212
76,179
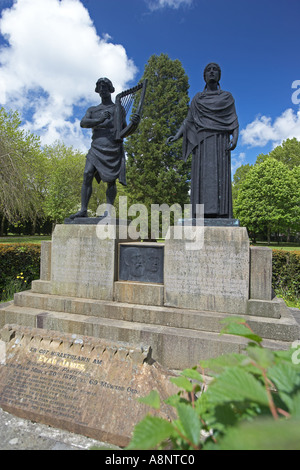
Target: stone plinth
206,279
261,273
82,264
212,274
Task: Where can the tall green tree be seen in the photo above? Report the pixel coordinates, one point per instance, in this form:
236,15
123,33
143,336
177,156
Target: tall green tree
64,168
238,178
155,172
288,153
268,199
20,178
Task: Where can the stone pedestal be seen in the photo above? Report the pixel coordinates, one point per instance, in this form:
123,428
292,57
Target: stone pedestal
206,278
82,264
213,277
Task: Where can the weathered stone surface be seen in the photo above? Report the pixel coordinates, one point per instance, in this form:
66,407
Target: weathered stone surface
139,293
45,271
261,273
274,308
43,287
213,277
179,338
83,265
81,384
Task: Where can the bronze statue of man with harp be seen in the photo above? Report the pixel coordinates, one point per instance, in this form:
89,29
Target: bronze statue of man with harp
106,158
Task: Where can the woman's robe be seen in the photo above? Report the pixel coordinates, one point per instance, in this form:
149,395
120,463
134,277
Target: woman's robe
210,122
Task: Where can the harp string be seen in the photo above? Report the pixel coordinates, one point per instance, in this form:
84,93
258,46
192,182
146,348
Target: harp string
127,102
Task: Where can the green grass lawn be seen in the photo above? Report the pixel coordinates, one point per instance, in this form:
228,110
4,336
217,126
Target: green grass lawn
282,246
24,239
40,238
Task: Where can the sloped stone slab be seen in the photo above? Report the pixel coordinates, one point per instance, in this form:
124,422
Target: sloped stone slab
84,385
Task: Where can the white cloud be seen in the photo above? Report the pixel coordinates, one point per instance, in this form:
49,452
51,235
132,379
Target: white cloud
237,161
51,63
262,130
157,4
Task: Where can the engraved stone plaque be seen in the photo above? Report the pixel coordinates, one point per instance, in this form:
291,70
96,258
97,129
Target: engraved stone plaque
213,276
85,385
141,262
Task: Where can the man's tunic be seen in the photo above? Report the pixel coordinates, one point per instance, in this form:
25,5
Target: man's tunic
106,154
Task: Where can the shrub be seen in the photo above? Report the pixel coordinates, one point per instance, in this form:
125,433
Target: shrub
286,273
19,266
252,402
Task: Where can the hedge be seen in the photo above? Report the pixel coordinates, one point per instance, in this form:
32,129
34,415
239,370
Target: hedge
19,266
286,273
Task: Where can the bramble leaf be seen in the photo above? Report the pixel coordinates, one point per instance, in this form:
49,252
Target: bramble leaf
236,326
192,374
263,435
285,376
182,382
152,399
235,384
190,422
149,433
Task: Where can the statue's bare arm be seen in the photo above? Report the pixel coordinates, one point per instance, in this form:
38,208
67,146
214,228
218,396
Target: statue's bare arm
90,121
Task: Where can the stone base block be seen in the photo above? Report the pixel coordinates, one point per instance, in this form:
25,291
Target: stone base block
264,308
139,293
41,287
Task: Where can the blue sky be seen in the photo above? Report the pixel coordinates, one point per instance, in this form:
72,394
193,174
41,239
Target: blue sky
53,51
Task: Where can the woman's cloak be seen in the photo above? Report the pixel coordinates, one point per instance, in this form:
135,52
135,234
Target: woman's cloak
210,122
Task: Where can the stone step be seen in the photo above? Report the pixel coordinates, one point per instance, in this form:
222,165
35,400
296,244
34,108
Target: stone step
284,329
153,294
176,348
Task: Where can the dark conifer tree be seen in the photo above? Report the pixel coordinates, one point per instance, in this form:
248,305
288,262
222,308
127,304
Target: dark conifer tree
156,174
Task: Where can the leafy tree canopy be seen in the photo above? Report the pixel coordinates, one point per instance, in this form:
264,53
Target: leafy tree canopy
20,180
288,153
269,198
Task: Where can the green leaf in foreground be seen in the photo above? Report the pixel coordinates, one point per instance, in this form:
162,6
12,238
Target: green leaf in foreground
152,400
221,363
236,326
263,357
190,422
285,376
236,385
192,374
182,382
149,433
263,435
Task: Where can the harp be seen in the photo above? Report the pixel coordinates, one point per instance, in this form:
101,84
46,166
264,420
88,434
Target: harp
124,103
